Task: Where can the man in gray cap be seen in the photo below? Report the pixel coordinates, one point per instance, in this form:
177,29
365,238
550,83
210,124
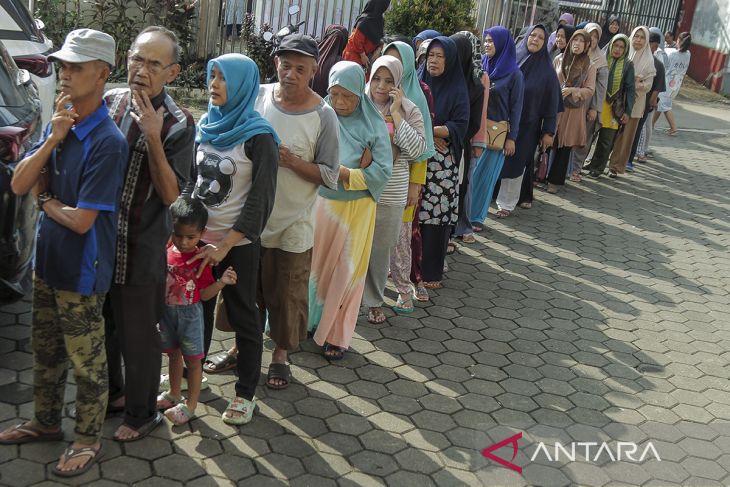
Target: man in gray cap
308,158
76,172
160,134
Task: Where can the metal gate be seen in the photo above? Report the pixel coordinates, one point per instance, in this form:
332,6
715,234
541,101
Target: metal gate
652,13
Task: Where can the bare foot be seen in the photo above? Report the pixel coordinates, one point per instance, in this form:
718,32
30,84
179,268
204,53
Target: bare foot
77,462
124,432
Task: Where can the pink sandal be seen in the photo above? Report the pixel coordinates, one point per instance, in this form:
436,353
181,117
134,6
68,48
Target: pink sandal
179,414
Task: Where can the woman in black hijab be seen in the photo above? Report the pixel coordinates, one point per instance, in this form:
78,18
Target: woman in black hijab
610,29
468,48
367,33
330,52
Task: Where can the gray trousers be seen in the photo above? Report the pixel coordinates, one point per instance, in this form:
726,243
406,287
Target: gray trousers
388,221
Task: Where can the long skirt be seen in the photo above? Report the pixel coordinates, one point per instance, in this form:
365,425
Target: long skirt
343,238
486,173
435,243
509,192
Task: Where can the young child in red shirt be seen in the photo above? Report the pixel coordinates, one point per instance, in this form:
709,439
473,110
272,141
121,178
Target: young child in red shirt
181,325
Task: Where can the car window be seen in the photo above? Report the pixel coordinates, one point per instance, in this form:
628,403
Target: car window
10,94
16,23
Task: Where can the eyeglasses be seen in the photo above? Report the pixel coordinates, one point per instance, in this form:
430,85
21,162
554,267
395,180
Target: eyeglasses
153,67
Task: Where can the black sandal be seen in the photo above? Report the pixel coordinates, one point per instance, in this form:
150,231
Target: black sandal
143,430
278,371
220,362
333,352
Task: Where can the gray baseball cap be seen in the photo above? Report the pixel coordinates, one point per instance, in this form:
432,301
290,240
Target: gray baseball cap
84,45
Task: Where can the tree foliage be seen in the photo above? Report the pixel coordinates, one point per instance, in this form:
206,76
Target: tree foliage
409,17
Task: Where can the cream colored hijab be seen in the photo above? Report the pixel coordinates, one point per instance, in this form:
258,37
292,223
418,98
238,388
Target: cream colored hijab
643,60
598,58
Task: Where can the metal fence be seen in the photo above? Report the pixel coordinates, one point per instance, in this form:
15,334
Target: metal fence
652,13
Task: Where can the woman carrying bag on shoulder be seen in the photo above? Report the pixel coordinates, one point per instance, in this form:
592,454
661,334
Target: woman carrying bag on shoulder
577,77
504,111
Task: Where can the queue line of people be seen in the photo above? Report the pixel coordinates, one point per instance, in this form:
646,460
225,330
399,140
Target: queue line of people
264,213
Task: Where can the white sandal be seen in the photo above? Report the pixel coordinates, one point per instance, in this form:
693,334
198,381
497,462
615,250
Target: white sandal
239,405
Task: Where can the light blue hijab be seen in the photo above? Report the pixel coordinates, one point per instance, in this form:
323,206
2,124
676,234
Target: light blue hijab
412,89
236,121
363,128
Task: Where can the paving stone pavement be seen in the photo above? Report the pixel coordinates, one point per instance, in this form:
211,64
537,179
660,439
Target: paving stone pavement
600,315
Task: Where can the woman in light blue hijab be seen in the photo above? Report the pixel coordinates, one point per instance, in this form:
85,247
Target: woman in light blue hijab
236,164
345,218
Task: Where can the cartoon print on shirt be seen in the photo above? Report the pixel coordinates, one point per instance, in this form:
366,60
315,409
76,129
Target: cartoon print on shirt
215,178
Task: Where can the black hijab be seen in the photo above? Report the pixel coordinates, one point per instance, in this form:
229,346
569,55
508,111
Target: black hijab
370,22
330,52
606,35
465,51
541,80
450,101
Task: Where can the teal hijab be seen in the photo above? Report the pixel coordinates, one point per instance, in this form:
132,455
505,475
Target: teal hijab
362,128
236,121
412,89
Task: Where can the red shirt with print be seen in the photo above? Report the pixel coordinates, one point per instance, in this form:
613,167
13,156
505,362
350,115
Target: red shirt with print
183,288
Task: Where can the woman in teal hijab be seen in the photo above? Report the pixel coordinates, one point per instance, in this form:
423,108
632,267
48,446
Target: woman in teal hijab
345,218
236,164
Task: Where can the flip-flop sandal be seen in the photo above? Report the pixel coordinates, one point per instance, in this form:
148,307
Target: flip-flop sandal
450,248
220,362
477,228
167,401
31,434
468,238
179,414
94,455
433,285
421,294
239,405
376,317
278,371
404,307
333,352
526,205
143,430
503,213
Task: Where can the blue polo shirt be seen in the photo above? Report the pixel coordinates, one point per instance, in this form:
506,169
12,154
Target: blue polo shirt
86,171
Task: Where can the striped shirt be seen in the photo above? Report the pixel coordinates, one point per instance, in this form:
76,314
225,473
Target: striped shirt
408,143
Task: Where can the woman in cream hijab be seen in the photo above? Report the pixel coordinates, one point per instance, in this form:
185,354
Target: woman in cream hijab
408,141
643,61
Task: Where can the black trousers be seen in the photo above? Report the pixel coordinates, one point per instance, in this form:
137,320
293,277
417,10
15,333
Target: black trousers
560,166
604,146
243,315
526,195
435,240
131,314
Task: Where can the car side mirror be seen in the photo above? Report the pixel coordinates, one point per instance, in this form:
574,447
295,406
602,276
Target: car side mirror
268,35
40,24
294,9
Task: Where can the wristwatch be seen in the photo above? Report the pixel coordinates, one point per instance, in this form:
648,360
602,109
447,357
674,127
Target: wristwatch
43,198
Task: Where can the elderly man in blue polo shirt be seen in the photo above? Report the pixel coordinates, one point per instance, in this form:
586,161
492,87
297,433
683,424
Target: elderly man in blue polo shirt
76,172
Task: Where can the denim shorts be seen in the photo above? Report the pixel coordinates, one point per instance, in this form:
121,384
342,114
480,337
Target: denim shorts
181,327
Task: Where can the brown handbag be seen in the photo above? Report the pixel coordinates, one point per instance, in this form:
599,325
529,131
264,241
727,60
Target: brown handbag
496,134
221,316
